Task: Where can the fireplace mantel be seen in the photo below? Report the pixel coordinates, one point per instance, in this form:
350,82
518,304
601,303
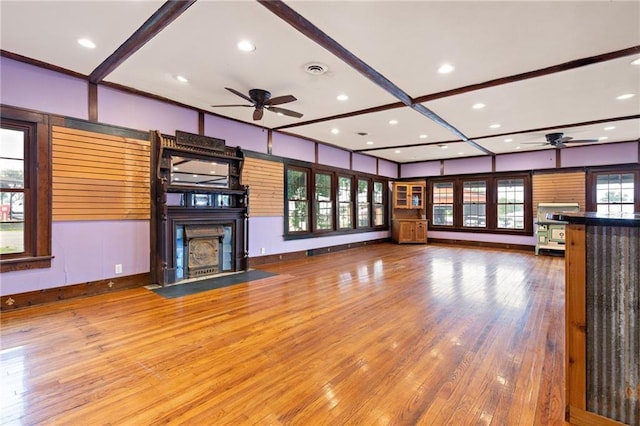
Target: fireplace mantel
199,209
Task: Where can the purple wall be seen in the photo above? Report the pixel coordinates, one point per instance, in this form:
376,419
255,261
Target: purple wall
31,87
335,157
78,259
388,169
461,166
235,133
292,147
136,112
544,159
363,163
428,168
487,238
596,155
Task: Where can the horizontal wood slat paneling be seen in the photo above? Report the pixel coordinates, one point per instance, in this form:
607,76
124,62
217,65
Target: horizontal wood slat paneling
99,177
266,186
559,188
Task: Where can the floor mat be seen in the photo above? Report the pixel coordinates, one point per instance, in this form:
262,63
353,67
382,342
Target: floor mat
194,287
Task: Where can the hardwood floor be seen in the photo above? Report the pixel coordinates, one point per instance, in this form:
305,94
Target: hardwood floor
384,334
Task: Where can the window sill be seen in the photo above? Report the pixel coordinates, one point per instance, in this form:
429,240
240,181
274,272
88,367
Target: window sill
25,263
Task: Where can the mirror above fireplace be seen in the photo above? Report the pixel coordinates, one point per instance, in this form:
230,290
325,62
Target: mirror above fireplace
203,173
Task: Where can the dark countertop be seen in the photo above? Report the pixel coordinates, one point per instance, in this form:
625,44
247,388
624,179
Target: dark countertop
593,218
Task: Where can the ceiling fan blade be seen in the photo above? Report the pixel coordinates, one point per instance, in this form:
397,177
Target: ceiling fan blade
582,141
257,114
281,100
222,106
284,111
242,95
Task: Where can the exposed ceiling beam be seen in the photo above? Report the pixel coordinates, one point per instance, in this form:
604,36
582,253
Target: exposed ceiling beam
166,14
301,24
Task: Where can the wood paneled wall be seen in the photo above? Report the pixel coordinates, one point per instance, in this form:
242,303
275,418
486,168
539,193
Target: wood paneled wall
266,186
559,188
99,177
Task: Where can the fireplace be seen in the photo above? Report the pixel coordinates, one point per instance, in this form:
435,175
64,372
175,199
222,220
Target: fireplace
200,209
203,248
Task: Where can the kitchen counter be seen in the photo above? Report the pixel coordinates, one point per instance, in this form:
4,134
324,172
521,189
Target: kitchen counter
593,218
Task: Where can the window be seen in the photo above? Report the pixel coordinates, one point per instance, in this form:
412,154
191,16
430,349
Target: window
297,202
510,203
25,190
324,201
363,203
474,204
614,193
443,203
613,190
345,202
378,204
483,203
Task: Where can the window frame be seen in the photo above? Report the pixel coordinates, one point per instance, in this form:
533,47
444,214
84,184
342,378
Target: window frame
592,180
287,200
491,209
37,201
340,203
316,203
336,173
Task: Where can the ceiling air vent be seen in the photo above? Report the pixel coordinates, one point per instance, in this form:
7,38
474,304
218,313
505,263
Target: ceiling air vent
316,68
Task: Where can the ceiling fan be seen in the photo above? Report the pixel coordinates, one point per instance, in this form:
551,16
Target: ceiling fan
558,140
261,100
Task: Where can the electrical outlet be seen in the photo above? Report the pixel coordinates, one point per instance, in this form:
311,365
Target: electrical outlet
263,250
118,268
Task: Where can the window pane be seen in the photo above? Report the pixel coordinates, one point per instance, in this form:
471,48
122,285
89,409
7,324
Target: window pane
443,203
511,203
345,216
298,205
12,195
363,203
324,202
474,200
298,216
378,207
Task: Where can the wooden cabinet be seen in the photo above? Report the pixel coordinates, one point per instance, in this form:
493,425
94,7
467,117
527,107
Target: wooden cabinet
408,218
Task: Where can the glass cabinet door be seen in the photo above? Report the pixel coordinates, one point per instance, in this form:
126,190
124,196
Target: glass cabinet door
417,197
401,196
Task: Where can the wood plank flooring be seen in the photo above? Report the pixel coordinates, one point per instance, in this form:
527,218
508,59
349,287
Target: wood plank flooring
379,335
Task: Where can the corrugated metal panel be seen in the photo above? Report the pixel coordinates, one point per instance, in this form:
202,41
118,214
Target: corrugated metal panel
613,322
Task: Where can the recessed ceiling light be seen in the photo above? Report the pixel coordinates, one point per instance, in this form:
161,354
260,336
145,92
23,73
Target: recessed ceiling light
423,136
443,146
610,127
369,142
397,151
625,96
478,106
461,153
446,68
335,131
508,140
495,126
194,175
603,138
213,172
635,61
246,46
517,147
85,42
176,168
280,114
182,79
342,97
393,122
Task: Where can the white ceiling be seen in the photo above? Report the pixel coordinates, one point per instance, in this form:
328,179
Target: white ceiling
404,41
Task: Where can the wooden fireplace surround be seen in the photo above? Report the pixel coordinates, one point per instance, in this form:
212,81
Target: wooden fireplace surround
177,204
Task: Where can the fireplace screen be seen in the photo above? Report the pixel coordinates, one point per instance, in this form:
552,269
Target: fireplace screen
203,249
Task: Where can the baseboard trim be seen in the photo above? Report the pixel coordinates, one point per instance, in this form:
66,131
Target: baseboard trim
273,258
506,246
39,297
